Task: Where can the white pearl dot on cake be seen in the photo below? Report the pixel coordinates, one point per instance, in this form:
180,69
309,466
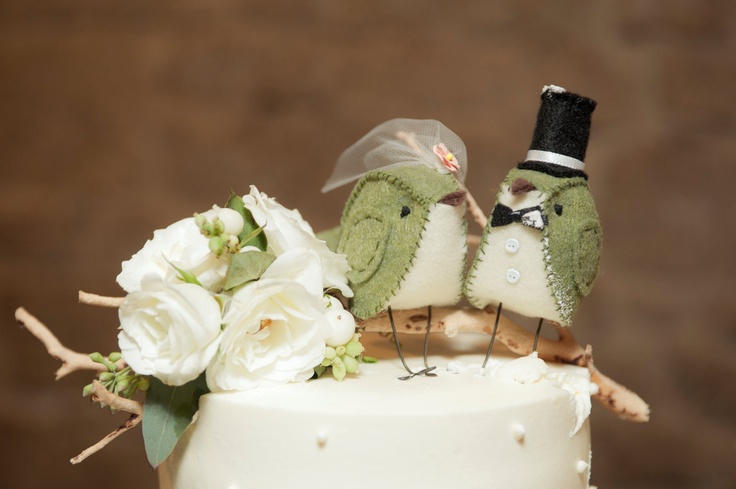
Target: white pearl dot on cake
518,432
321,439
581,466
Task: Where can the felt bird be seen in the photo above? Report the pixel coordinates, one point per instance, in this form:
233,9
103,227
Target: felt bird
539,252
403,228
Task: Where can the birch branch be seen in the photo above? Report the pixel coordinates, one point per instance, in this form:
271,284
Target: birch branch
71,361
103,396
565,349
99,300
473,208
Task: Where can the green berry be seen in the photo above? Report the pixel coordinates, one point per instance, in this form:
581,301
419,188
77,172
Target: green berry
338,369
351,364
354,348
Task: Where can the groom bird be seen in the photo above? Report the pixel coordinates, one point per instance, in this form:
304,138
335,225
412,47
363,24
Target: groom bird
403,228
539,252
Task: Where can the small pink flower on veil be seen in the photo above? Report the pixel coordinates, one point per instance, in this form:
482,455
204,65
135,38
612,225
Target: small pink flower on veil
448,159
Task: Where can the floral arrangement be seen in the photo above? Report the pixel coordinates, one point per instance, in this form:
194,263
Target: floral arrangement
235,298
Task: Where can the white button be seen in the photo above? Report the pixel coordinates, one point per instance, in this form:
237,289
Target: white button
512,245
512,275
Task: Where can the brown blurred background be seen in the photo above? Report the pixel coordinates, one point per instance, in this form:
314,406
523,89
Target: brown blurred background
117,118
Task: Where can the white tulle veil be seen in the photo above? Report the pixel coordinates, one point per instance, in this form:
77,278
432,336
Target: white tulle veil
401,142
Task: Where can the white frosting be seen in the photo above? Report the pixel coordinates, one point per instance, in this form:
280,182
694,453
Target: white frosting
458,429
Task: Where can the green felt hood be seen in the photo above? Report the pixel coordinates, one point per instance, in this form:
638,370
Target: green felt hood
380,229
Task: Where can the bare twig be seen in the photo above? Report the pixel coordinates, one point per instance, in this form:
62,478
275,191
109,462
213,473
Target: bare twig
566,349
410,139
618,398
102,395
71,361
99,300
473,239
473,208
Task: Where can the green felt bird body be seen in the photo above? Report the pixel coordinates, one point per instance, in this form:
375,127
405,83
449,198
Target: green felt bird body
403,229
404,235
540,250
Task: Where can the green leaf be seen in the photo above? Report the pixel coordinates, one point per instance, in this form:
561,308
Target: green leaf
167,412
245,267
187,277
249,236
235,202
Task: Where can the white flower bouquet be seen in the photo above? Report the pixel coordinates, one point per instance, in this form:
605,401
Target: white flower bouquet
233,299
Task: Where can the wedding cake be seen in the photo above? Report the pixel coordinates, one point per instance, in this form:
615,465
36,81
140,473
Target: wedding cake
521,425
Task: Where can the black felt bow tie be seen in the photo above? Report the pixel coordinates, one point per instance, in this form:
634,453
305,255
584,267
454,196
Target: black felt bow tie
530,216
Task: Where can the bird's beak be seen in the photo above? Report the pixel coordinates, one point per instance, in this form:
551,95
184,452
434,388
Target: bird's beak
454,198
521,186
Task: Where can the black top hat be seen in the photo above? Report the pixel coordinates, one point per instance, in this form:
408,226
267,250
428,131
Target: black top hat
561,134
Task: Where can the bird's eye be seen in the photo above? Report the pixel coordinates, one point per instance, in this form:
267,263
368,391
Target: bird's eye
405,211
558,209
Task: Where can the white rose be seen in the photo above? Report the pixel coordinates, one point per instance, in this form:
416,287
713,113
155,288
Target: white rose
170,331
182,245
274,328
341,321
286,229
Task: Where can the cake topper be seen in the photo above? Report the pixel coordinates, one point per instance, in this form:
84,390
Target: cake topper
539,252
403,229
253,280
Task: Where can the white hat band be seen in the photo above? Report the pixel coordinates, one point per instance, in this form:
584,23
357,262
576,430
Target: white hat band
554,158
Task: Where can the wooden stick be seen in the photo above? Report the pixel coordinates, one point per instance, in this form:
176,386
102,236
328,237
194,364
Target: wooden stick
566,349
71,361
102,395
99,300
473,208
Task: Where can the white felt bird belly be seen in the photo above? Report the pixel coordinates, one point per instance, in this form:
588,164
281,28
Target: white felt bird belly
510,266
435,276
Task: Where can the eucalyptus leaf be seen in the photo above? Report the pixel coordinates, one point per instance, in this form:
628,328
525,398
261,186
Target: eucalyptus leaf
259,241
245,267
167,412
251,234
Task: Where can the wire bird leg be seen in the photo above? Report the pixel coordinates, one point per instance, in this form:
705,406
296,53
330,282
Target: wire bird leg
427,370
493,335
536,335
412,374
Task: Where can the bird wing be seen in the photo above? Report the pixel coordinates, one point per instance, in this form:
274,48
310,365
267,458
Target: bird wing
364,243
587,253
